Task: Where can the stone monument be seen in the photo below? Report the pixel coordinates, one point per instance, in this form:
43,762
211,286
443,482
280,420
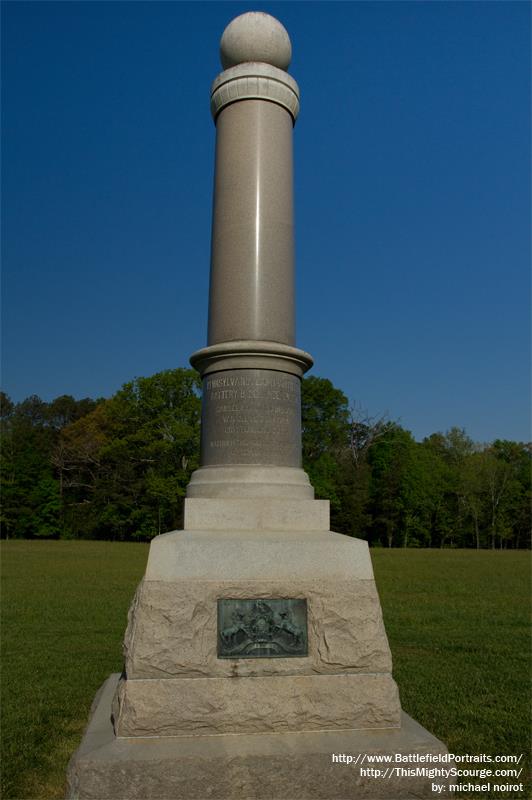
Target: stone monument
255,649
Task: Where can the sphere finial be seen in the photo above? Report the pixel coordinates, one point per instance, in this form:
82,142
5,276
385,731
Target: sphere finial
255,36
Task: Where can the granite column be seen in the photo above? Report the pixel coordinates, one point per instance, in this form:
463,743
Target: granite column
251,369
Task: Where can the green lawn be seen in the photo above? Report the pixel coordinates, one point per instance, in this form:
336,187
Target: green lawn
457,623
64,607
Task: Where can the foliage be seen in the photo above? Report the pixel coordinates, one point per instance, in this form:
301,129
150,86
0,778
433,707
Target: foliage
118,469
325,429
125,466
31,502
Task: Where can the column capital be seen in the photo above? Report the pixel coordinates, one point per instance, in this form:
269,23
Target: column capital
255,81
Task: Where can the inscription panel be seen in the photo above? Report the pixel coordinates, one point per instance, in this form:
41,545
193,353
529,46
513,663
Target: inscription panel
262,628
251,416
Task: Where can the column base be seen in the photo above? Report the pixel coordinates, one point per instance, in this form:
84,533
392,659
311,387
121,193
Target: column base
277,766
247,481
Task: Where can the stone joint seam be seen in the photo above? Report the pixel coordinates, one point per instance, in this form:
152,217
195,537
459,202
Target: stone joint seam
292,676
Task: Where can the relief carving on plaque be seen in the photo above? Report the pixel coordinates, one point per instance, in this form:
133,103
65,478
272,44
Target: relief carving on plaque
261,628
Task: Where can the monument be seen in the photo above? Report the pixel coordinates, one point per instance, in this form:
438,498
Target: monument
255,649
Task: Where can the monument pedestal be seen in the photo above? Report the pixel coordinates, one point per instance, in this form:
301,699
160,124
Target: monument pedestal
183,722
187,671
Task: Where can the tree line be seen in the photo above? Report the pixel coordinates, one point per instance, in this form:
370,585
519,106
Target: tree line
118,469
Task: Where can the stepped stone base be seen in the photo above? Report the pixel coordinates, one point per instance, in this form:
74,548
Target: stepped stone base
256,514
279,766
187,722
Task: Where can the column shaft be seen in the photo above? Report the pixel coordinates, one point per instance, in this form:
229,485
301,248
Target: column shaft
252,259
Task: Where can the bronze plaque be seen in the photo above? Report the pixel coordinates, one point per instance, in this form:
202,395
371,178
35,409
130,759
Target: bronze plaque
262,628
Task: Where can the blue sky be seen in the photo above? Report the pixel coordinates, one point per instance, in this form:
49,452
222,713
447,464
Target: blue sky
412,158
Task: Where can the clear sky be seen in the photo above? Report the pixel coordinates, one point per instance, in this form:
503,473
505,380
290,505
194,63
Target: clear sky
412,191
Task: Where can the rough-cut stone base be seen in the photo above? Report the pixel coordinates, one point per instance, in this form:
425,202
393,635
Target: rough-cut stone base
172,630
176,684
282,766
272,704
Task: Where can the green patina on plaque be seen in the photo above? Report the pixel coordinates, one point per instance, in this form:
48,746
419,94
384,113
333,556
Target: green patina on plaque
262,628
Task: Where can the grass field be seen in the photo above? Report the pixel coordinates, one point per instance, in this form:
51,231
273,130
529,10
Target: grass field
457,623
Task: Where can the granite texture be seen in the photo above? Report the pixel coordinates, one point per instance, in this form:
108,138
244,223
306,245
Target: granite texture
251,416
244,481
251,354
252,263
257,514
251,408
258,555
255,81
196,706
281,766
255,36
172,629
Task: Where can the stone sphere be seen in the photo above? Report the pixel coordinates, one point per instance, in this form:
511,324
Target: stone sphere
255,36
